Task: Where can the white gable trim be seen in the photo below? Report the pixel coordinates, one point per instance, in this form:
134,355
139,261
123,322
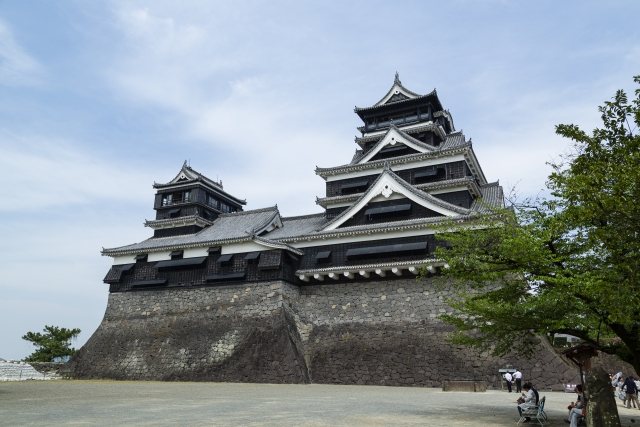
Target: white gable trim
392,138
396,89
184,174
386,186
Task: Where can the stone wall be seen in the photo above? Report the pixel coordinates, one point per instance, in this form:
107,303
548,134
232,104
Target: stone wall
388,333
49,368
383,332
612,365
229,333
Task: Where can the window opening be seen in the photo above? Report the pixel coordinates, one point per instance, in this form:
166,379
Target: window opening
354,187
430,175
399,250
323,257
225,259
252,257
388,212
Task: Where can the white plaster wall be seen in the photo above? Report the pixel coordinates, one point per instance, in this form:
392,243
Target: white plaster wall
195,252
124,259
159,256
236,248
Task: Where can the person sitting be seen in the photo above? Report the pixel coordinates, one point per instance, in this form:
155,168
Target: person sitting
528,400
575,409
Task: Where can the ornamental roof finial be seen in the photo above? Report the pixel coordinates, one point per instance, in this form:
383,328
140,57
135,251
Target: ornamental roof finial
184,165
397,80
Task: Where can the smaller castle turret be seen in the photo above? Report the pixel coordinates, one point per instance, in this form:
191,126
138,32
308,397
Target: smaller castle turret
190,202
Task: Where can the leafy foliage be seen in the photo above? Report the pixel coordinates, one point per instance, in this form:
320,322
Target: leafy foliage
54,342
567,264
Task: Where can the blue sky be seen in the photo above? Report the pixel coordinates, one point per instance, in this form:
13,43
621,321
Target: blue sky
101,99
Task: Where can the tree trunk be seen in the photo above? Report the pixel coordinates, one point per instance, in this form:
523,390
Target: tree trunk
601,403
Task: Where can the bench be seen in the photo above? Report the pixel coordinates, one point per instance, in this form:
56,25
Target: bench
536,412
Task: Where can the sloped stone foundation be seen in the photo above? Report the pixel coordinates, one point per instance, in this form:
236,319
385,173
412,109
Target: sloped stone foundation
377,333
211,334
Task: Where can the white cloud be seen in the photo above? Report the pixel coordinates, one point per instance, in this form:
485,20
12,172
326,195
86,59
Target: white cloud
17,68
46,171
257,133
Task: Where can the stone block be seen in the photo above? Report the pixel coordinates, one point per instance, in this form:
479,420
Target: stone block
468,386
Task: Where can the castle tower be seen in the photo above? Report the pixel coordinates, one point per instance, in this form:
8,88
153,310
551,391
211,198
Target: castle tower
222,294
188,203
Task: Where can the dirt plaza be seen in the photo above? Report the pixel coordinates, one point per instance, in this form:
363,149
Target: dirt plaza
132,403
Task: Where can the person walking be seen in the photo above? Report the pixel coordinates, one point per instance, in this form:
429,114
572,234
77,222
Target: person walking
508,378
518,376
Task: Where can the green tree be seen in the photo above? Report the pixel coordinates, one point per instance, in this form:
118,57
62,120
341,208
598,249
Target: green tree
54,342
567,264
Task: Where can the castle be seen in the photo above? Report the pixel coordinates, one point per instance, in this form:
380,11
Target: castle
223,294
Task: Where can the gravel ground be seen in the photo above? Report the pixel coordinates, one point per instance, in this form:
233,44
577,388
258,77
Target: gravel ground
133,403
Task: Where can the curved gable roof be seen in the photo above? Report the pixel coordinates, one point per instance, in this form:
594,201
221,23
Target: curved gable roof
391,137
398,89
388,183
188,176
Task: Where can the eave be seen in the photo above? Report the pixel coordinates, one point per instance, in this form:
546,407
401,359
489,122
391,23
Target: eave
379,164
178,222
214,189
366,270
361,112
447,115
377,230
426,126
469,182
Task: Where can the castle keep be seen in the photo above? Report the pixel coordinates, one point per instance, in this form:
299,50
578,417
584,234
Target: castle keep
219,293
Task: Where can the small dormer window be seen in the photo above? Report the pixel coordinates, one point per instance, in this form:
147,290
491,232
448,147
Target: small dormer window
252,257
141,258
388,212
214,250
225,260
430,175
323,257
176,255
354,187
